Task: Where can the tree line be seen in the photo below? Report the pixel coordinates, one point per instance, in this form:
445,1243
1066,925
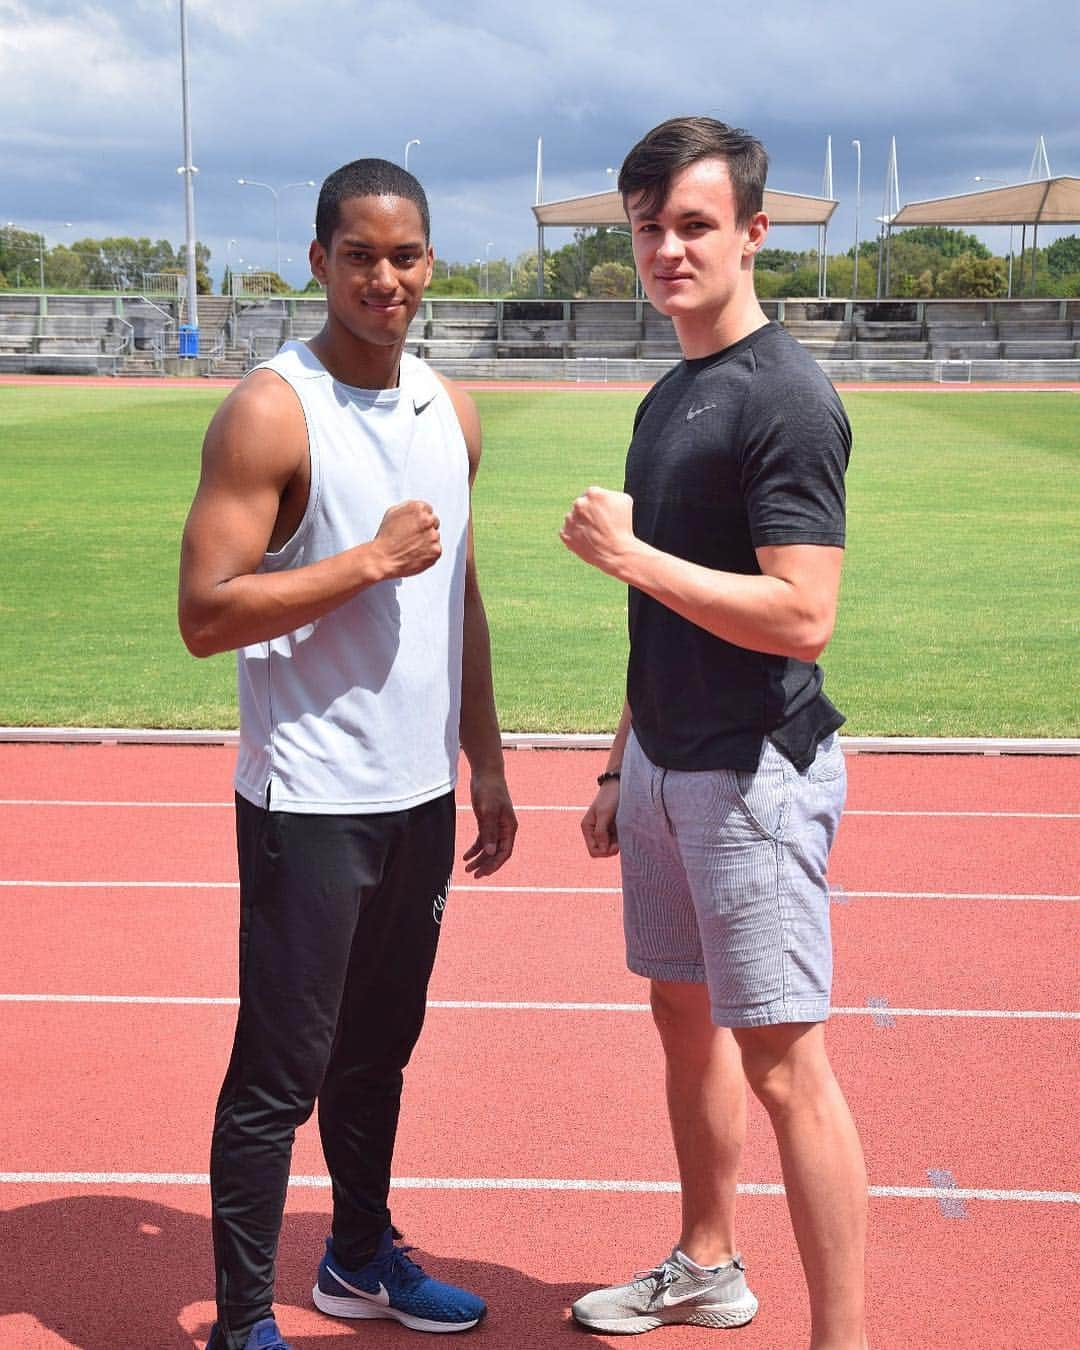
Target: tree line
925,262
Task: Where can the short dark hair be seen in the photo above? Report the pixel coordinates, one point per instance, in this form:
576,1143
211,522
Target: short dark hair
366,178
681,141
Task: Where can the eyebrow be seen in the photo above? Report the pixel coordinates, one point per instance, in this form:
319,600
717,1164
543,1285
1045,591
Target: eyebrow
695,212
352,242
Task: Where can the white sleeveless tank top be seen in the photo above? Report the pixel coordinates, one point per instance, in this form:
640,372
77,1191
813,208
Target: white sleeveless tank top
360,711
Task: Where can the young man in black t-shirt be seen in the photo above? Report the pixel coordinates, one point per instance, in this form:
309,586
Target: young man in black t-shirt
726,781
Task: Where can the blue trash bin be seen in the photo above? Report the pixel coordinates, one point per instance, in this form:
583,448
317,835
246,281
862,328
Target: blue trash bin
189,340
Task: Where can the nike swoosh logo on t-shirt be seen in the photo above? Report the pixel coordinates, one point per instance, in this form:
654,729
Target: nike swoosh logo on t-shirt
691,413
418,408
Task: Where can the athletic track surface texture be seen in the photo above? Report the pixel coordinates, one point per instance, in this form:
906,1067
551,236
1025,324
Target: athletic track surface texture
533,1159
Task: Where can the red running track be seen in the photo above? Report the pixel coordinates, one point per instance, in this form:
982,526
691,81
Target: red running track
956,921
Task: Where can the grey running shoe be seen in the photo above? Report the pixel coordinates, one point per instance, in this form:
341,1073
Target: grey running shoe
669,1294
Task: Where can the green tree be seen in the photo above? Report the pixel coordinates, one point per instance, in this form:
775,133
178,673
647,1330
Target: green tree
1063,256
19,253
944,242
972,278
525,275
119,262
779,260
65,270
611,281
458,283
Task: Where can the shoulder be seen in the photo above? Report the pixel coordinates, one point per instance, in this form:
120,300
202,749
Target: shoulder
467,416
780,358
787,382
259,430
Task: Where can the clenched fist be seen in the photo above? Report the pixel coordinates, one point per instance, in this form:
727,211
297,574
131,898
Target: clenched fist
408,539
599,528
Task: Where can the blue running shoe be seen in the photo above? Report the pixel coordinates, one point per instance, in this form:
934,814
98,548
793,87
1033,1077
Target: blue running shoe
263,1335
393,1285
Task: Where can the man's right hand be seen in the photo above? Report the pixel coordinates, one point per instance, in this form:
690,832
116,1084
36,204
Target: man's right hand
408,539
598,822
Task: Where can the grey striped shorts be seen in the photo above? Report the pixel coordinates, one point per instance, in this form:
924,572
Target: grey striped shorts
724,881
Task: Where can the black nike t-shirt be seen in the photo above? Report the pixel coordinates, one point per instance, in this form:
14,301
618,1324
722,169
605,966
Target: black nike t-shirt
730,452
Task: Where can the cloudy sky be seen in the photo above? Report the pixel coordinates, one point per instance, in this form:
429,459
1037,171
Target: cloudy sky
90,126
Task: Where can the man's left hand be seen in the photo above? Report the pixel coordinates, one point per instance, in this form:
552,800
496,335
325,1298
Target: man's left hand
496,826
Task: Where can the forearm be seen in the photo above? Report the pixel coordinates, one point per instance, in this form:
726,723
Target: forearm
761,612
480,738
260,606
618,744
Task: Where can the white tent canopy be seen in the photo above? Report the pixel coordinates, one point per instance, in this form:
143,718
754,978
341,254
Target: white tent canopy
606,208
1047,201
1043,201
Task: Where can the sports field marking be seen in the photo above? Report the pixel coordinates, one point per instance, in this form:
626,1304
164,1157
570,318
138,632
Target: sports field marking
513,890
528,1184
576,810
507,1005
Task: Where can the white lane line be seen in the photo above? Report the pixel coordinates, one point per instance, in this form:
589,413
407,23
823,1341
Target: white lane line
576,810
527,1184
516,890
524,1005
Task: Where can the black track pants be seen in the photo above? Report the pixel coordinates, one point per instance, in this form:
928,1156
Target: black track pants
339,922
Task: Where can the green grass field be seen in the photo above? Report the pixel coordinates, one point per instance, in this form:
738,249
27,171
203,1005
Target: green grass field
958,614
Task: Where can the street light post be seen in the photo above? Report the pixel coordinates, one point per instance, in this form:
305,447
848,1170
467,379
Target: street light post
188,170
275,193
414,141
487,266
858,201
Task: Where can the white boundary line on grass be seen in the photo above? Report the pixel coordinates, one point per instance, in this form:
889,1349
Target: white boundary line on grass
513,740
533,1184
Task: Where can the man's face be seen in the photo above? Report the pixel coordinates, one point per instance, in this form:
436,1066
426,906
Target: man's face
690,253
376,267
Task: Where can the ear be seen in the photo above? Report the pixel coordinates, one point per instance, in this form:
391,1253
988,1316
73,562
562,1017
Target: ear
756,233
430,266
317,261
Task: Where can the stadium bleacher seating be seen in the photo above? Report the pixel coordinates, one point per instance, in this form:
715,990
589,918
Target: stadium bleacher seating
547,339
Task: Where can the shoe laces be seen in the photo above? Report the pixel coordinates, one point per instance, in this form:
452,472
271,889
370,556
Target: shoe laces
403,1267
661,1277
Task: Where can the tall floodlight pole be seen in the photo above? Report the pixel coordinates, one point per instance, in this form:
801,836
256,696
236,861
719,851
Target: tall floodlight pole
487,266
858,203
823,230
414,141
1040,168
189,171
539,226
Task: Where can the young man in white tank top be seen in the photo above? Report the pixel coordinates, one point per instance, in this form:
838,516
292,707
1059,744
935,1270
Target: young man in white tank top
330,545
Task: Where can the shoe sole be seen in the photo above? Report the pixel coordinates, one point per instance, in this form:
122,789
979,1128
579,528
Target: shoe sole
733,1314
355,1307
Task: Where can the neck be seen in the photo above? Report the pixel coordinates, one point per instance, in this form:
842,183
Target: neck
357,363
708,332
